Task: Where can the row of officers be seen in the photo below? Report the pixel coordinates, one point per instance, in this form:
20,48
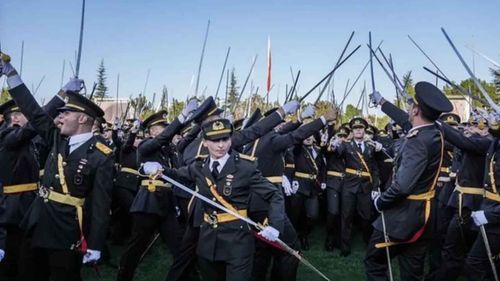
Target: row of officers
66,176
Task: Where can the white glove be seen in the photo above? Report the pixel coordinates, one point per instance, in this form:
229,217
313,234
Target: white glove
493,118
295,186
308,112
91,256
324,138
378,146
270,233
151,168
287,187
291,107
230,117
135,127
479,218
375,97
322,186
191,106
2,254
335,142
74,85
375,195
5,67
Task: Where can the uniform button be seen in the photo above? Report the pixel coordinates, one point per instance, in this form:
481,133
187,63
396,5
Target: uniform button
213,199
57,176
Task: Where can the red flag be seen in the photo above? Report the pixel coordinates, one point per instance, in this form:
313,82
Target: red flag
268,65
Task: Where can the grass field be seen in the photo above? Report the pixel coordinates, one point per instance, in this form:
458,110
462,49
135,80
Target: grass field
155,265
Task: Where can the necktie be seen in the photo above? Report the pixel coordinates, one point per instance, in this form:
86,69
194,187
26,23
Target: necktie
360,147
215,171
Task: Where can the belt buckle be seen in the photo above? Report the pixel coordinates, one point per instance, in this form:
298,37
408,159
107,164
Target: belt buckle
212,220
44,192
359,173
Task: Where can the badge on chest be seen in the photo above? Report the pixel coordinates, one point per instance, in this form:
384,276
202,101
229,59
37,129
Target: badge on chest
227,189
82,165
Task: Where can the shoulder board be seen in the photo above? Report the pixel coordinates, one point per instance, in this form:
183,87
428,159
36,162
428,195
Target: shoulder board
246,157
103,148
412,134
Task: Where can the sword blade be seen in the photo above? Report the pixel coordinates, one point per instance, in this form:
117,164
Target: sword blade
80,43
371,60
471,74
285,247
488,251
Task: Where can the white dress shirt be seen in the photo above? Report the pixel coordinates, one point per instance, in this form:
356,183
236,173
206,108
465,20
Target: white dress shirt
222,161
77,140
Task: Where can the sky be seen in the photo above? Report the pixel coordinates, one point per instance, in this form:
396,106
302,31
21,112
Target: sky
166,37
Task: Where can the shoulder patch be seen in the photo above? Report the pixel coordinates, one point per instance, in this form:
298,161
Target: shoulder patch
412,134
246,157
103,148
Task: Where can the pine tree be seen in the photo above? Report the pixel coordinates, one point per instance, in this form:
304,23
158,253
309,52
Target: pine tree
102,89
232,96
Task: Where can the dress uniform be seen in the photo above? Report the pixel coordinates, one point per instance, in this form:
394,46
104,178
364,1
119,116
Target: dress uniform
19,179
71,214
444,189
407,203
334,178
477,266
126,184
152,209
269,152
304,204
467,197
192,149
361,178
226,245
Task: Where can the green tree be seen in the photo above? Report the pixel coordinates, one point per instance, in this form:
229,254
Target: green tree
350,112
496,78
175,108
408,86
232,95
101,89
4,96
469,86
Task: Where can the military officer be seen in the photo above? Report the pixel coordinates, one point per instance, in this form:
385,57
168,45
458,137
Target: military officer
334,178
20,180
467,197
269,152
192,149
407,203
477,266
152,208
126,182
361,178
226,245
70,217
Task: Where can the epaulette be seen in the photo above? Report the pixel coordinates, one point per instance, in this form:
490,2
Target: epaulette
412,134
246,157
103,148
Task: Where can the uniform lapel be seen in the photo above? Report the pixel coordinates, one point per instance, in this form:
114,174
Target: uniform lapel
228,168
206,170
76,154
